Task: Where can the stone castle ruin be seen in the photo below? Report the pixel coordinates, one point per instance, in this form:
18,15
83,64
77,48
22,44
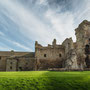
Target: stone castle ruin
67,56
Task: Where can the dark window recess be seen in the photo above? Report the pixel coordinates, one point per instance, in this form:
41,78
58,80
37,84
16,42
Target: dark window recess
60,55
11,67
68,43
87,49
89,39
0,57
20,68
45,55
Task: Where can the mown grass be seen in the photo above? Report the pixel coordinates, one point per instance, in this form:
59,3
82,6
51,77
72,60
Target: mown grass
45,80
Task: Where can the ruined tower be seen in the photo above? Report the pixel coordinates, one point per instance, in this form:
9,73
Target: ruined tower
83,44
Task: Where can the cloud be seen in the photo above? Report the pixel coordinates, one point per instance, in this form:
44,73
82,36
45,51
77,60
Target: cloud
43,20
43,2
1,33
4,47
30,25
17,44
61,25
21,46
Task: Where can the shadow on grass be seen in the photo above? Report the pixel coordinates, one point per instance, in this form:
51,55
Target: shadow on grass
65,81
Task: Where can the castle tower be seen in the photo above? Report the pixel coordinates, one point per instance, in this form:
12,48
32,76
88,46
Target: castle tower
83,44
70,55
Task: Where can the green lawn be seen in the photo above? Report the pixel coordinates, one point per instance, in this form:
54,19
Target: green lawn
45,80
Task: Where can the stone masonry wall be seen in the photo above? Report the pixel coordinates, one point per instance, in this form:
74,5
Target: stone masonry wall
83,43
50,56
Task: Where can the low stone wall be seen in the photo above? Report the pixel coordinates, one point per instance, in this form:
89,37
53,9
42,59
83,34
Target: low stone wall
87,69
65,69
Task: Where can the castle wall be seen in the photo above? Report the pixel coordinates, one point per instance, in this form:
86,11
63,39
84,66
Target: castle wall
50,53
17,61
20,64
50,56
10,53
2,63
11,64
26,64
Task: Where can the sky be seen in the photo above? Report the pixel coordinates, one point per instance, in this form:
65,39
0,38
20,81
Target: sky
22,22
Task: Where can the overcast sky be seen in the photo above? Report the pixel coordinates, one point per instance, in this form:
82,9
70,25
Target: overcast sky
22,22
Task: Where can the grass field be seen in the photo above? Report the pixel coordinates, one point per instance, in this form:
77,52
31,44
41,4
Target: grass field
45,80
